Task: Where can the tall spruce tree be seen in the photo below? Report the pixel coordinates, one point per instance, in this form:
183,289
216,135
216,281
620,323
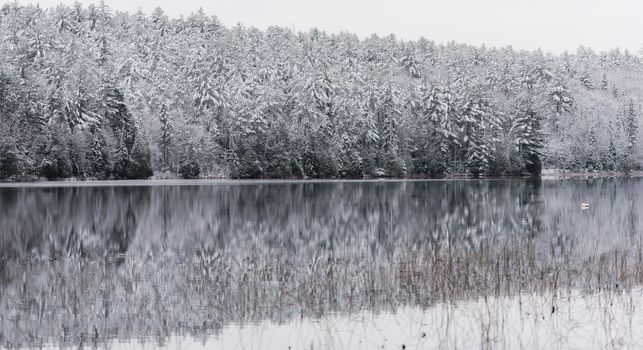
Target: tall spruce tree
165,139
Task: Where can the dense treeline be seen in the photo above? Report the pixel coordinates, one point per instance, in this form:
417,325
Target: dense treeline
90,93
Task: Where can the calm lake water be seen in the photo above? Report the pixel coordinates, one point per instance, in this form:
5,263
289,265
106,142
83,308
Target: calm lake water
304,218
99,264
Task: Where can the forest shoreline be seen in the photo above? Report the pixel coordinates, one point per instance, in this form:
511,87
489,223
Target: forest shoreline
72,182
88,92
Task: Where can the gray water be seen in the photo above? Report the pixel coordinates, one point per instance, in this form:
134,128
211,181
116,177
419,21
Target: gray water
89,264
303,218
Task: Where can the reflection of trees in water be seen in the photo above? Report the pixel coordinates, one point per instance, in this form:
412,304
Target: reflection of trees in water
359,218
191,259
63,222
84,301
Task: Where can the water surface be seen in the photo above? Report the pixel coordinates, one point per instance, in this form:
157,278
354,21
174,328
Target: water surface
100,263
304,218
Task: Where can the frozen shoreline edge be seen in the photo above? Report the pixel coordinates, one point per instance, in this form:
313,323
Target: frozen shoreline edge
228,181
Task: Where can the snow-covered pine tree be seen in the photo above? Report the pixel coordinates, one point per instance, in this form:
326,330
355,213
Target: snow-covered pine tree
611,160
483,138
389,115
77,111
116,113
586,81
604,83
54,156
141,159
318,112
370,139
562,103
121,166
428,144
98,164
630,125
8,161
189,167
165,139
410,65
527,133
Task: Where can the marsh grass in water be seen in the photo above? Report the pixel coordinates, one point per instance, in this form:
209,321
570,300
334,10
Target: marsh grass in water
96,302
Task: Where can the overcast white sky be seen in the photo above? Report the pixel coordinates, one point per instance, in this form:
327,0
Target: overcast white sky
553,25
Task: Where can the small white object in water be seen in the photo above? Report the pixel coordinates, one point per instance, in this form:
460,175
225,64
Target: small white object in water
584,206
